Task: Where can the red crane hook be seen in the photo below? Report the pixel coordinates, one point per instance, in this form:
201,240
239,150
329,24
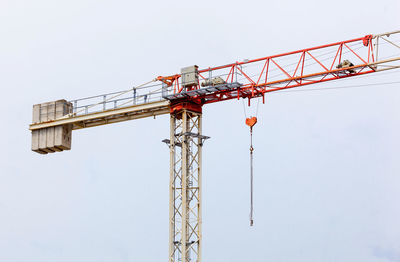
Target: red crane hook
251,121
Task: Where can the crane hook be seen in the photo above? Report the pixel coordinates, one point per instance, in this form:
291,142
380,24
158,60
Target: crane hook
251,121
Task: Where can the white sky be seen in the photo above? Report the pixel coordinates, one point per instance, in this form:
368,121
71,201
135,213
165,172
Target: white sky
327,172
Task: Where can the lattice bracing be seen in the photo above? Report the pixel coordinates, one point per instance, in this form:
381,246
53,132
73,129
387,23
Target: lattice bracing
185,143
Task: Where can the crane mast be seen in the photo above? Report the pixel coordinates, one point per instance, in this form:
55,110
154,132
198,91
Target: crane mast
186,142
182,97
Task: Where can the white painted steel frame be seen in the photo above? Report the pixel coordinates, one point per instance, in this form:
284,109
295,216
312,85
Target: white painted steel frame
108,116
386,64
186,144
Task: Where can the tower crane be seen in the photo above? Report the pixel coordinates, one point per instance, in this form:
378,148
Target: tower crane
183,95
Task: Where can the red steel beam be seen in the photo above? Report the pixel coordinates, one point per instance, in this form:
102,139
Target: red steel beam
288,78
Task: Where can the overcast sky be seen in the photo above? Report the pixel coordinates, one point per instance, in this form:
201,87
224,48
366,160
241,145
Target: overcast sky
327,171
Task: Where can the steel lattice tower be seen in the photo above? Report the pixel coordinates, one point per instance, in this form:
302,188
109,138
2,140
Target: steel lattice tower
186,143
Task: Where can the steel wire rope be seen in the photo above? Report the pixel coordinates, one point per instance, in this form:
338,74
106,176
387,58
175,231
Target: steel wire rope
338,87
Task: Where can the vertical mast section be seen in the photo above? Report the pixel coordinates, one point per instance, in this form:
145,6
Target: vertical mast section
186,141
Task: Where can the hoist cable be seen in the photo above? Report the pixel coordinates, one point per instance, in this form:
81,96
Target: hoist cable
251,178
251,121
244,109
258,103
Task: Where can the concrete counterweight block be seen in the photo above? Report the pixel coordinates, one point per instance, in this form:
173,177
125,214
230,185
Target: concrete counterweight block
51,139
